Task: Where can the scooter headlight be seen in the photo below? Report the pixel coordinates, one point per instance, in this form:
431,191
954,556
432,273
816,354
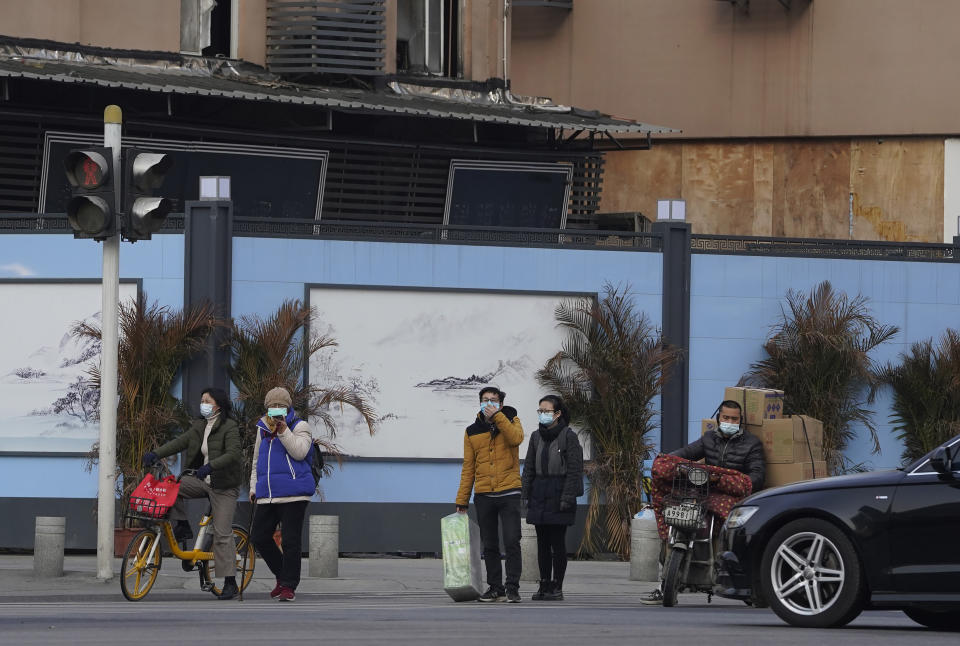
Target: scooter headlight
698,476
739,516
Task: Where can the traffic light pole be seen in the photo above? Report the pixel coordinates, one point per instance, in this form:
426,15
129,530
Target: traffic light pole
109,360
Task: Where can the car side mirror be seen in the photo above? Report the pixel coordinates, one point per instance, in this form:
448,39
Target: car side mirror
942,461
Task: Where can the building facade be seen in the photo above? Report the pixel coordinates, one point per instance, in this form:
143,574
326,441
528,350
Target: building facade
800,118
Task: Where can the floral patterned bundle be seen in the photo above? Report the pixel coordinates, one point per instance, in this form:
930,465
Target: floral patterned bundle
726,491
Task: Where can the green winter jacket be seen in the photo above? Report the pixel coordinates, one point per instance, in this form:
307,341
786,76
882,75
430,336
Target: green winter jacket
223,447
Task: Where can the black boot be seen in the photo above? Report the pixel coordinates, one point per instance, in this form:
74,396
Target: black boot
555,592
544,586
230,589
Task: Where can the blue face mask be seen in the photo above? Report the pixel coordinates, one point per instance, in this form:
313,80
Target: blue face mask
483,405
206,410
545,418
276,412
729,429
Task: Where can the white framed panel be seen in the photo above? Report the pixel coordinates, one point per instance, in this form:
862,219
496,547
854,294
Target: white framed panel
951,189
43,368
422,356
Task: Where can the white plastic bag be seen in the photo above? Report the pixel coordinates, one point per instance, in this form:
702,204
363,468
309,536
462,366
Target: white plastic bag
462,578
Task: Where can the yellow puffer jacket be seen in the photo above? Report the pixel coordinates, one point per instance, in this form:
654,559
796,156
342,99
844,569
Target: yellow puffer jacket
491,462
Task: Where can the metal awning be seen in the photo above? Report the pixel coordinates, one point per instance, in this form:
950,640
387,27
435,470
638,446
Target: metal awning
169,78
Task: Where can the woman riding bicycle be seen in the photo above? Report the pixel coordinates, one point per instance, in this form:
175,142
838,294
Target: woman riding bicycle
212,446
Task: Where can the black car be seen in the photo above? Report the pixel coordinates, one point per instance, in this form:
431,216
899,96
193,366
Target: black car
821,551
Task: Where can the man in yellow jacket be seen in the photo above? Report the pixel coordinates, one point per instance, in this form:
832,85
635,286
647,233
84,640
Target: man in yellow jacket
491,468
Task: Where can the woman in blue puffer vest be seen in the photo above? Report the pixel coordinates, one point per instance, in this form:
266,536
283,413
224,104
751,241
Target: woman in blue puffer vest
281,485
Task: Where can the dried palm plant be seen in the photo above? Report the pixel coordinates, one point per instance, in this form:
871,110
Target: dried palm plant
271,352
611,366
926,394
819,355
154,342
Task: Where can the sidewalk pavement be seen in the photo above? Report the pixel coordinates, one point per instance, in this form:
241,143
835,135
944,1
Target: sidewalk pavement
356,576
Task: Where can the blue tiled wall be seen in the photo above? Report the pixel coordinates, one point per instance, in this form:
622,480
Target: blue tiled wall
267,271
737,299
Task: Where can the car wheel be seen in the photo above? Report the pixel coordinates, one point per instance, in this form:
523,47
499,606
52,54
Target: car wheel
811,575
937,620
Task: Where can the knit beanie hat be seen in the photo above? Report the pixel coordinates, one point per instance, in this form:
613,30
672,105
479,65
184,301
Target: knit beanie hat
278,396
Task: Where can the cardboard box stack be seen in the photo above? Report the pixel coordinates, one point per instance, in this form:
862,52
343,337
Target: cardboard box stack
792,446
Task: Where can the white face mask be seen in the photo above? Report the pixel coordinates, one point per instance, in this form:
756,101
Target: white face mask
206,410
729,428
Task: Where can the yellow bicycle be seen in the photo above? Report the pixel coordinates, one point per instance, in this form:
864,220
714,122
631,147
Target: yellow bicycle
144,554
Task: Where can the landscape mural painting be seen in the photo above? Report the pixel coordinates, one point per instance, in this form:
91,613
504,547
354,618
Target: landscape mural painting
46,394
422,356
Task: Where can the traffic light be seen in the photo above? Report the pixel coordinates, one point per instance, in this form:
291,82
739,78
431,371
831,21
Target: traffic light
143,174
92,206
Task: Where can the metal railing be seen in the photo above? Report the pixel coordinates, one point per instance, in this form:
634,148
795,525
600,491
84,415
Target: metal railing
521,237
823,248
446,234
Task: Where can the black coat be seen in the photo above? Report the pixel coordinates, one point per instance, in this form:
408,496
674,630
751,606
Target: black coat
552,496
743,453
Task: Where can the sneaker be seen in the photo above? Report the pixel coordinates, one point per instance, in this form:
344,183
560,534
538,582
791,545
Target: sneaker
513,595
492,594
538,595
554,592
229,591
286,594
276,590
654,598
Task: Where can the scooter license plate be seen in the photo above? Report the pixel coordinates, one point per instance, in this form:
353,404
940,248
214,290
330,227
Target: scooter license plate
680,515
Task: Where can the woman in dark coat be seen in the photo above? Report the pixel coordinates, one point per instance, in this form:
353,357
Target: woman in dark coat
552,480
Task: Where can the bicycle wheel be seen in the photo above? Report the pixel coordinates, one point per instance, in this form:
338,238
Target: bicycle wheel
141,562
241,542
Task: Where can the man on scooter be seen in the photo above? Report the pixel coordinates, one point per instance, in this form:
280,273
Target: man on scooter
728,447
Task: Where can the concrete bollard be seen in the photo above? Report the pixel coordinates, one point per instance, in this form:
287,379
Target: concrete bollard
644,547
324,546
528,553
48,546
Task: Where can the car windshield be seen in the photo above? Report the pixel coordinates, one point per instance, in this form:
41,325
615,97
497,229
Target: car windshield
923,464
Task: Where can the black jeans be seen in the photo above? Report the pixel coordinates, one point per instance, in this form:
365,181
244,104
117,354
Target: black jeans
494,514
284,565
552,552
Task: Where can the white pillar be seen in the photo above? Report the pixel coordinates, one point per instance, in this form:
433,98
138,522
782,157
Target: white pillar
951,189
528,553
48,546
644,547
324,546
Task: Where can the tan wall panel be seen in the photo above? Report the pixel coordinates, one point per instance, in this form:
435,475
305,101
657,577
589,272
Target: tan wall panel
635,180
790,188
837,68
50,19
122,24
718,185
541,34
897,189
811,188
252,36
131,24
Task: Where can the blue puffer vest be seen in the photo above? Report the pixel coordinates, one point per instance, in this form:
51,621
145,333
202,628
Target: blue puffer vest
279,475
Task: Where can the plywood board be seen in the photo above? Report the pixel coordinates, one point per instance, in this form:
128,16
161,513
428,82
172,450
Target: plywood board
897,189
798,188
718,185
633,180
811,193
